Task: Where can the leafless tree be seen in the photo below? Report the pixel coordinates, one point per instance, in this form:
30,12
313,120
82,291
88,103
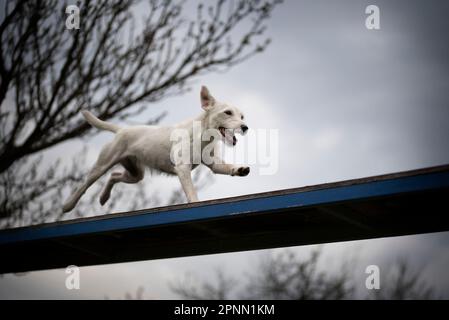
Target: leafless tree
187,288
282,276
115,65
287,276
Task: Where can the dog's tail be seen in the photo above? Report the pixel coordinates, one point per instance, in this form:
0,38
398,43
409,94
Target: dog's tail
100,124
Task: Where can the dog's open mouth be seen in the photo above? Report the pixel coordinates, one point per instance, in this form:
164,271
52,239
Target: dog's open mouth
228,135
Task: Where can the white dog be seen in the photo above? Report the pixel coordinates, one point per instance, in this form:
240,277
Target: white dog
138,147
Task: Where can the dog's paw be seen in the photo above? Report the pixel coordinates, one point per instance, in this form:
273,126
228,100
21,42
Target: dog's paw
242,171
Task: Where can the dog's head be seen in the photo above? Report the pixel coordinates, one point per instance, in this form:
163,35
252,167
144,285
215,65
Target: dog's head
228,120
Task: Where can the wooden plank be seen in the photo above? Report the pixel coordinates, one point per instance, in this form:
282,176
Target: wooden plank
388,205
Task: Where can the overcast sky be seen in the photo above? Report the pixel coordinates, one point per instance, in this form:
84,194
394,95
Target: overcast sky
347,102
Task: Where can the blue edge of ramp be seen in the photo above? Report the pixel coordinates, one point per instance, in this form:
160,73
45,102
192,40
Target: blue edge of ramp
364,208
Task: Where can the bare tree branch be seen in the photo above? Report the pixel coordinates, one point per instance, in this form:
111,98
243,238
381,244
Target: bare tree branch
54,72
116,64
286,276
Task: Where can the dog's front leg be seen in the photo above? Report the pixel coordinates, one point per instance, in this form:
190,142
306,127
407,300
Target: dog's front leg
185,177
220,167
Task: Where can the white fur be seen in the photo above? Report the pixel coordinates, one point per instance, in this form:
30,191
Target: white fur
138,147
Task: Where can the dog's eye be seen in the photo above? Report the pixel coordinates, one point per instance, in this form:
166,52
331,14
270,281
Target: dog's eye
242,117
228,112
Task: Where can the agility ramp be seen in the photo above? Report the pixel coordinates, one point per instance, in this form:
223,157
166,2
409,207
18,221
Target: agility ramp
404,203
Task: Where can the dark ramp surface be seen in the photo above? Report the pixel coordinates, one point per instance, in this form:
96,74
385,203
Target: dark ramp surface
396,204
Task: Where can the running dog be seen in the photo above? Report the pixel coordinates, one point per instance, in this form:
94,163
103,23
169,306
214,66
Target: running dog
140,147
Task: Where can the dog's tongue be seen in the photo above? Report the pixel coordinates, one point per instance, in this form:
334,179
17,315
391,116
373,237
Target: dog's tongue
230,138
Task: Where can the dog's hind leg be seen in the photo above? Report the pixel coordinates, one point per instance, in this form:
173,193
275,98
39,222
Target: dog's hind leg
108,157
133,173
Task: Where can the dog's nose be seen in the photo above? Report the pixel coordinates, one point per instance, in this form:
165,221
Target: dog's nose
244,128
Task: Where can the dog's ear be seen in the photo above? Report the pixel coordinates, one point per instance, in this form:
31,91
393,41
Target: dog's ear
207,101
